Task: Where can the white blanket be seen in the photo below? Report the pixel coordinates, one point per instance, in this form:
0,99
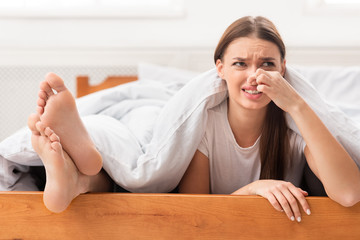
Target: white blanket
147,134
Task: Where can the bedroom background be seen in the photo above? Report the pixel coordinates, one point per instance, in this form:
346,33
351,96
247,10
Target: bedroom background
108,37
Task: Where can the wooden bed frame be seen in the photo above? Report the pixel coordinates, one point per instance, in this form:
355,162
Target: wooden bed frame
83,86
169,216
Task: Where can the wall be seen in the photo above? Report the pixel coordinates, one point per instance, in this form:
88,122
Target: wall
31,47
61,41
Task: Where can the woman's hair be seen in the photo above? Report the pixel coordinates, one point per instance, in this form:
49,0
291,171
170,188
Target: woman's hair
274,143
258,27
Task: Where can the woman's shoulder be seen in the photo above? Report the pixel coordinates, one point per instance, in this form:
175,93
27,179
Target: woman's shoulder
220,108
218,114
217,125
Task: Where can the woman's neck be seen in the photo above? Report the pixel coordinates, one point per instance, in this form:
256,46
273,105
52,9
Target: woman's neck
246,124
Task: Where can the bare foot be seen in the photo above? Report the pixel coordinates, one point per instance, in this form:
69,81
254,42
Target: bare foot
58,111
63,180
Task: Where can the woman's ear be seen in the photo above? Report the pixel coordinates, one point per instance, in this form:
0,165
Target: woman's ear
220,68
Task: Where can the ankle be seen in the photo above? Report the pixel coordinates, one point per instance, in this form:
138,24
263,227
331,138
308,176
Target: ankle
84,183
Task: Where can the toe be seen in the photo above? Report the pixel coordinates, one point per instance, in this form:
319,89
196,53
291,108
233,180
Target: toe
54,138
48,131
41,102
40,127
45,87
40,110
57,147
51,135
55,82
32,120
42,94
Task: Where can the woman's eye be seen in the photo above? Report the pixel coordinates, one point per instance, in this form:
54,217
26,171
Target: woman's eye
268,64
239,64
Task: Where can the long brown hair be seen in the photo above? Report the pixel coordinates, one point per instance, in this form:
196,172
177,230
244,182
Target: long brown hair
274,143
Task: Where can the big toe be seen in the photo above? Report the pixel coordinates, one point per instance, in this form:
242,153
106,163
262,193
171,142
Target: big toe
32,120
55,82
45,90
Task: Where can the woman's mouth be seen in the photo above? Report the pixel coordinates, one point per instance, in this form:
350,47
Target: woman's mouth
252,92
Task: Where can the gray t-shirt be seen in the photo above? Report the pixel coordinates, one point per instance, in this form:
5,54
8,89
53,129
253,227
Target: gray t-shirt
231,166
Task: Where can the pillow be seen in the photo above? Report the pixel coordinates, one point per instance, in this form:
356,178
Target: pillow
338,85
17,148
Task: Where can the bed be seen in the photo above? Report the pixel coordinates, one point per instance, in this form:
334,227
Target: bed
171,215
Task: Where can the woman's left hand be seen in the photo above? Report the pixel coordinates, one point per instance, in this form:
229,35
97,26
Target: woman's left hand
283,196
277,89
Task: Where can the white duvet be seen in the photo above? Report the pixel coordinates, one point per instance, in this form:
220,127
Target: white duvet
147,131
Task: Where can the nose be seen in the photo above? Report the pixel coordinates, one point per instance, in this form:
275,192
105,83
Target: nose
251,79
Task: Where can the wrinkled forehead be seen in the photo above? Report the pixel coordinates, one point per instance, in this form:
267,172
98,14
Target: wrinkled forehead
251,47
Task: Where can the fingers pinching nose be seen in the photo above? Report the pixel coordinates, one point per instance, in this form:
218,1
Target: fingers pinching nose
251,80
259,71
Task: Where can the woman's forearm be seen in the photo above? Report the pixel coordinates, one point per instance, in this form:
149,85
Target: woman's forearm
327,158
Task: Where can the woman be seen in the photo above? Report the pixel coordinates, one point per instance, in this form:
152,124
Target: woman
247,148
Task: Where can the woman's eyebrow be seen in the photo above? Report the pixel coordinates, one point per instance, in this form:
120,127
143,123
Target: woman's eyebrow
262,58
268,59
239,58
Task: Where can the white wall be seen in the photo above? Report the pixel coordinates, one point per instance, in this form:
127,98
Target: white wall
200,28
202,25
187,42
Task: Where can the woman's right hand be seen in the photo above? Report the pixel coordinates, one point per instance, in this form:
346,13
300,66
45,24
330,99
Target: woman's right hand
284,196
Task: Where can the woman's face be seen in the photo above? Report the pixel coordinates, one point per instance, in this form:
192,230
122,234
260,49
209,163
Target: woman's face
240,61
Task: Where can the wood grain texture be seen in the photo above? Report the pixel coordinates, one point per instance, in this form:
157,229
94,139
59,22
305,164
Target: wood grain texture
171,216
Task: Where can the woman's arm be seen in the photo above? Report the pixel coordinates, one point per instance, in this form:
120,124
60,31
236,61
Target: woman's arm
196,178
326,157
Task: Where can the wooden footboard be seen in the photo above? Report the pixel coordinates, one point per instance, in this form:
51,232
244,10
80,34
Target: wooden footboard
171,216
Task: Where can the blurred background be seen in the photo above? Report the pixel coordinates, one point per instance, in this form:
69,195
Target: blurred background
99,38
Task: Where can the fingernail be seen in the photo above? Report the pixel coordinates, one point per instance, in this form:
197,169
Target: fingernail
308,212
299,219
292,218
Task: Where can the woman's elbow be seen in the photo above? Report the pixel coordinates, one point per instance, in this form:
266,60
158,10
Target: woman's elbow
348,199
351,200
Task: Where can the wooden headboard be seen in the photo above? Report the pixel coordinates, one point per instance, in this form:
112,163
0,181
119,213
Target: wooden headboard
169,216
